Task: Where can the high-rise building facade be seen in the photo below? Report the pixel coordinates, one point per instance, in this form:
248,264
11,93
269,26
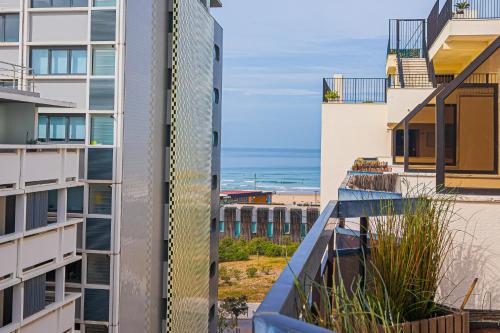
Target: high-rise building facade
142,82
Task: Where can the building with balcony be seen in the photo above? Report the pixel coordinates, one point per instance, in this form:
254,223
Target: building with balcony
40,214
432,122
132,158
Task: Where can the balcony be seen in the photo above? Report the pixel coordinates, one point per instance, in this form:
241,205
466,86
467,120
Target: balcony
354,90
314,262
460,32
24,166
36,251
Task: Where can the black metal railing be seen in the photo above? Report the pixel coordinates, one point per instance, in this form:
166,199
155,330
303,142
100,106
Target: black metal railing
407,38
410,81
313,262
355,90
460,10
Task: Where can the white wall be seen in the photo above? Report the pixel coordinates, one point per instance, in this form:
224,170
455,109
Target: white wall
16,120
401,101
477,254
349,131
59,27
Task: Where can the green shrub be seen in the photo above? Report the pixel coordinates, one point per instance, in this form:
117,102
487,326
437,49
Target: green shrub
232,250
251,272
224,275
236,274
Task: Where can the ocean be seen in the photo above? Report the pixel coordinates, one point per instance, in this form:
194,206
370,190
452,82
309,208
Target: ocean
272,169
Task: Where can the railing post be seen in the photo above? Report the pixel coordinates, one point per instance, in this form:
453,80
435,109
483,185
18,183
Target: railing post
406,142
363,246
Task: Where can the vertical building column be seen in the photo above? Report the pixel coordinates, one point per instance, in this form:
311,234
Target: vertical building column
237,223
60,279
221,222
270,225
62,203
18,303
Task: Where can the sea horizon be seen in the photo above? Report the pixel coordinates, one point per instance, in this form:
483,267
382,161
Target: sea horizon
281,170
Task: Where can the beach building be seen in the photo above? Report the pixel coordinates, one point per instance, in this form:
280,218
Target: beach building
247,196
109,182
431,121
274,222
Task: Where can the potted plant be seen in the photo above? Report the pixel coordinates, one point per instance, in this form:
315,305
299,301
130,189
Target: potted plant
332,96
461,7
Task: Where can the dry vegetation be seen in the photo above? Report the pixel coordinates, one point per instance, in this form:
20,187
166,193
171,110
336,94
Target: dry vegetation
255,288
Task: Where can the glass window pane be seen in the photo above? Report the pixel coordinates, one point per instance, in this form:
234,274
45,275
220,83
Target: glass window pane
98,269
100,199
270,230
101,131
103,61
59,62
61,3
12,28
80,3
77,128
42,128
237,229
40,3
74,272
75,200
221,226
40,61
287,228
253,227
104,3
100,164
96,306
103,25
102,94
57,128
78,61
98,234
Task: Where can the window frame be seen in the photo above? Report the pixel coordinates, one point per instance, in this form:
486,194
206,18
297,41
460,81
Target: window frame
4,27
69,51
67,118
51,5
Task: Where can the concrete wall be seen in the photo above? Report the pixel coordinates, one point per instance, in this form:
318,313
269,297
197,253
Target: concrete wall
349,131
401,101
17,122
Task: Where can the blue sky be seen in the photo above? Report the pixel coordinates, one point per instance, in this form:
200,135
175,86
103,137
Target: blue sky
277,51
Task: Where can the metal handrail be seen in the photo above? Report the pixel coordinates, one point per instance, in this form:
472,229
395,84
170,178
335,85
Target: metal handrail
20,77
313,263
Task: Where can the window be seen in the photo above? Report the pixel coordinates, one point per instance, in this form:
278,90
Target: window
215,182
102,94
213,225
9,28
98,269
75,200
59,61
287,228
74,272
101,130
221,226
96,329
58,3
103,60
103,25
61,128
215,96
104,3
100,199
98,234
96,305
215,139
216,53
100,164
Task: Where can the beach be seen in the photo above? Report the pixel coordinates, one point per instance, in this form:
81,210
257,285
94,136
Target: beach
296,199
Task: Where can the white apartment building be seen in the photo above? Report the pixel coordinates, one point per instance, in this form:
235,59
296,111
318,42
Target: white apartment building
434,119
109,179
